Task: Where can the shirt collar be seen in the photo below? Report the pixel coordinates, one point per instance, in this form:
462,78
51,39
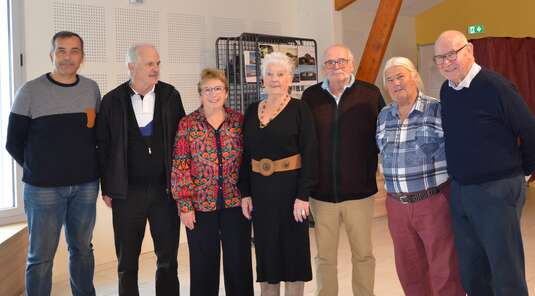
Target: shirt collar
134,92
325,85
468,79
419,105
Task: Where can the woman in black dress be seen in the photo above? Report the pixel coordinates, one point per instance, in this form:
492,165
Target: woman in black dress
279,169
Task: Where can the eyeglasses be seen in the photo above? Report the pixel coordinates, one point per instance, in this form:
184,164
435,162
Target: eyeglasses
215,89
331,64
450,56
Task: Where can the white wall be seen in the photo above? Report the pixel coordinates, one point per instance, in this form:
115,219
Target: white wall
318,20
184,32
356,24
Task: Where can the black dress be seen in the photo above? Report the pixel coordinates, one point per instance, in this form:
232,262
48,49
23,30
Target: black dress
282,245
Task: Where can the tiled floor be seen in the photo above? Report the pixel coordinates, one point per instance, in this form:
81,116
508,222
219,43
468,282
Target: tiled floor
386,278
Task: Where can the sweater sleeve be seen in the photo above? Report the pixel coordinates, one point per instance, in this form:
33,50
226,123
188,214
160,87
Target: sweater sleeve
308,147
522,122
17,134
19,124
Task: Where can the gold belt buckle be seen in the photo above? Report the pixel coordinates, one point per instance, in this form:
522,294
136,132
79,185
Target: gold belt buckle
266,167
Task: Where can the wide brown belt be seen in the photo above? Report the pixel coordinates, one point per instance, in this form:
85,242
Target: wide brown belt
266,167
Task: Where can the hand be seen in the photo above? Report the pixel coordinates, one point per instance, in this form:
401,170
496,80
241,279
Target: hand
247,207
188,219
531,178
301,210
107,200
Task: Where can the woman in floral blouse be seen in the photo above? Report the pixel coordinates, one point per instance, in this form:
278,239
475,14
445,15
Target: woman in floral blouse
208,152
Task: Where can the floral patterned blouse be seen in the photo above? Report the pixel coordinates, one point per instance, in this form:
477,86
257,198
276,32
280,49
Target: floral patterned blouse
206,162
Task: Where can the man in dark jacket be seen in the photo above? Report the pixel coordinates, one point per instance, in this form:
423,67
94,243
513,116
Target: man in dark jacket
135,134
345,113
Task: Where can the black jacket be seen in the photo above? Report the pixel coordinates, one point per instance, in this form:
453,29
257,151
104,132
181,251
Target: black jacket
112,133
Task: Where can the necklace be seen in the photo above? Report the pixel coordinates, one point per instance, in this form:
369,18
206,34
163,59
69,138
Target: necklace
263,111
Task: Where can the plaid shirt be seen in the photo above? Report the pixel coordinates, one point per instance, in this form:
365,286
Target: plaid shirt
412,152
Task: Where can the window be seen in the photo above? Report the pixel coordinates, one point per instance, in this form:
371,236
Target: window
11,208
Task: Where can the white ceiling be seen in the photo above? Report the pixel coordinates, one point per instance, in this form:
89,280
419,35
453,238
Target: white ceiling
408,7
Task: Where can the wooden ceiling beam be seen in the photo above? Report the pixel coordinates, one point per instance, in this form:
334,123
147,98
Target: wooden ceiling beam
380,33
341,4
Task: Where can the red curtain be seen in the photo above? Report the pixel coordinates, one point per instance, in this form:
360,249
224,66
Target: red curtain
514,58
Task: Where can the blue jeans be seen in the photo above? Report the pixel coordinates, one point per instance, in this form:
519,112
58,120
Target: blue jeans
47,210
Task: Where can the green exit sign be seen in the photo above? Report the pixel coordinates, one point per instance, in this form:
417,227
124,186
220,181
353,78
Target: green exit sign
476,29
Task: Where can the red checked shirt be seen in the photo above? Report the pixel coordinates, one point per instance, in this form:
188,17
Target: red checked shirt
206,162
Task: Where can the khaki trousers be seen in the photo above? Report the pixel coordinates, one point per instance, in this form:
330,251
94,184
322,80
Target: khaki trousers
357,216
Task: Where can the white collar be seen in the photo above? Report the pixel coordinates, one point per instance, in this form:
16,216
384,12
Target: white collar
150,93
325,86
468,79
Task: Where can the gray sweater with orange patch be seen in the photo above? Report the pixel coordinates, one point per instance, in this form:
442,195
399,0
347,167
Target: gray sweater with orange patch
51,131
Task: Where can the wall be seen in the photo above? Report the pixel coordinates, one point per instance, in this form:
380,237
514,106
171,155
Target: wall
323,24
356,24
184,32
500,19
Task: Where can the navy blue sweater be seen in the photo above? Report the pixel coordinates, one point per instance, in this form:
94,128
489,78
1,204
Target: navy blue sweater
489,130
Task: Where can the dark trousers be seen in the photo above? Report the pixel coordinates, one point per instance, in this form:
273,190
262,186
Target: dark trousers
229,229
486,225
129,219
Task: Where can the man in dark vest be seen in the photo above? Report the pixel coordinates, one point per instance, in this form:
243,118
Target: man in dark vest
135,134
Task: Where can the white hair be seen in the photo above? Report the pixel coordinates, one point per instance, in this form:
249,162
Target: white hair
407,64
349,53
279,59
132,54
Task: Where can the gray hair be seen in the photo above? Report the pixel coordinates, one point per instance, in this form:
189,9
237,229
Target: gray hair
407,64
132,52
277,58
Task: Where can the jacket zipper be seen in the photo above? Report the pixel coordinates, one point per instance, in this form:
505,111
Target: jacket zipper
335,153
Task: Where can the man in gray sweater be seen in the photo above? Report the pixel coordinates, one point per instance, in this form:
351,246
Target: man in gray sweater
51,135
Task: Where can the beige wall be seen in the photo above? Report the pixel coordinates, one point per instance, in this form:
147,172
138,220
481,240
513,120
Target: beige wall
500,19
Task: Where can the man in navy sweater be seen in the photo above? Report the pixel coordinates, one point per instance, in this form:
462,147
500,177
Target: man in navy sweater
490,146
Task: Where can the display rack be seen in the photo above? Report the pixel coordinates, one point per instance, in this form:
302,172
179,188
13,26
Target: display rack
240,57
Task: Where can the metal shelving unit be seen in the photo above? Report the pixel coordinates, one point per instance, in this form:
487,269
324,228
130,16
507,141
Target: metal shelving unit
230,57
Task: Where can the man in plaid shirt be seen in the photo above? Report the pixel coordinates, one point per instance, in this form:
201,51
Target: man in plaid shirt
411,143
